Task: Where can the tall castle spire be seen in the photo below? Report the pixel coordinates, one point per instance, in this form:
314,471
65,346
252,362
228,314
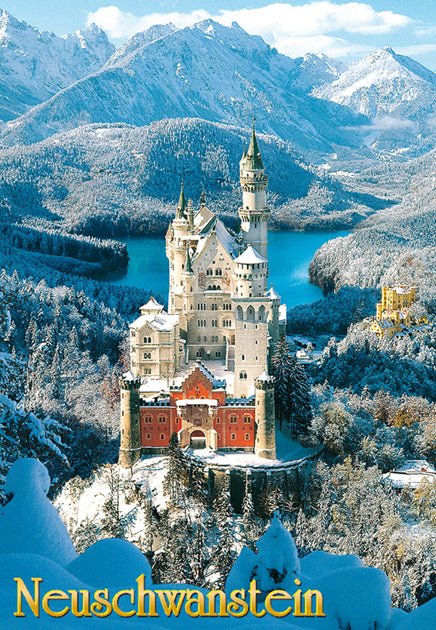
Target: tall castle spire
253,158
181,206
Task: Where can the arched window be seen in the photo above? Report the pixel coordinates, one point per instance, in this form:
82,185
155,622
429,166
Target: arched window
233,436
233,419
247,436
242,376
261,313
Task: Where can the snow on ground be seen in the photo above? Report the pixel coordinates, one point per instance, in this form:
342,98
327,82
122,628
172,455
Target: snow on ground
287,451
29,522
354,597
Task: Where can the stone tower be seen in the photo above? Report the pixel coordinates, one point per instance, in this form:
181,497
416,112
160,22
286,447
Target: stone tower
181,226
130,441
265,444
251,307
254,213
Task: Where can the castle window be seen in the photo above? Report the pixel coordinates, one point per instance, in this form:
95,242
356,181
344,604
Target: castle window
214,323
214,307
256,342
218,272
209,272
147,339
233,436
122,413
147,355
257,358
147,419
218,354
233,419
148,436
247,419
247,436
242,357
242,376
218,421
227,306
162,419
162,436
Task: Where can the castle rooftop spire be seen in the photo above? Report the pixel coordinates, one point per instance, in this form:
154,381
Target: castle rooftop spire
254,159
181,206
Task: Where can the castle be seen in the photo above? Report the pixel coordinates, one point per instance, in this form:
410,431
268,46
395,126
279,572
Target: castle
222,317
393,312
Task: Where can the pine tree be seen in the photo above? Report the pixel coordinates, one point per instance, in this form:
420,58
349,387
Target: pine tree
175,482
299,399
292,397
281,370
224,554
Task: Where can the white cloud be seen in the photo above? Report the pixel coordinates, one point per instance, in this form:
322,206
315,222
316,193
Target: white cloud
415,50
293,30
389,123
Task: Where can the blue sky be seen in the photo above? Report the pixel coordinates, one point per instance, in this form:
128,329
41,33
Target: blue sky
347,30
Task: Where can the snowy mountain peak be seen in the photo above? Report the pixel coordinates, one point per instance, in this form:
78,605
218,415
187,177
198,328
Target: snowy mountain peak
384,83
41,63
140,41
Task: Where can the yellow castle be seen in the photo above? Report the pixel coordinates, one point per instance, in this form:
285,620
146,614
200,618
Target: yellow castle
393,314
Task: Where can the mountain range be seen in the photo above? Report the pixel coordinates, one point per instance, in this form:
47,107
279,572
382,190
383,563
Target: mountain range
36,65
332,114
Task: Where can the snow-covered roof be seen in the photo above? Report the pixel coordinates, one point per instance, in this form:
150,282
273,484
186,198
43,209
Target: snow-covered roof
159,321
215,382
211,402
412,474
265,377
416,465
222,234
152,305
250,257
129,376
273,294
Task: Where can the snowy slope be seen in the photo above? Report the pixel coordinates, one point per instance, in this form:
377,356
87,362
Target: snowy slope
207,71
35,65
383,84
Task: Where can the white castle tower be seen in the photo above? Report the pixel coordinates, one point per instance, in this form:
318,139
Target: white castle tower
254,213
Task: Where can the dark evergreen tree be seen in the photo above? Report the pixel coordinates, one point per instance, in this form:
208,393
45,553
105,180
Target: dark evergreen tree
175,482
281,370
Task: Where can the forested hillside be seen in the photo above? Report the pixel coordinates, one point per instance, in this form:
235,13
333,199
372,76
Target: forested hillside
118,179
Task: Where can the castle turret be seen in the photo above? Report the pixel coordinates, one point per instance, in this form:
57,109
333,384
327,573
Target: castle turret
265,444
254,213
130,440
176,252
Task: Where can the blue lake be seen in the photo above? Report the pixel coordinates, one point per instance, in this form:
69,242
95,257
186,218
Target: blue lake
289,256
